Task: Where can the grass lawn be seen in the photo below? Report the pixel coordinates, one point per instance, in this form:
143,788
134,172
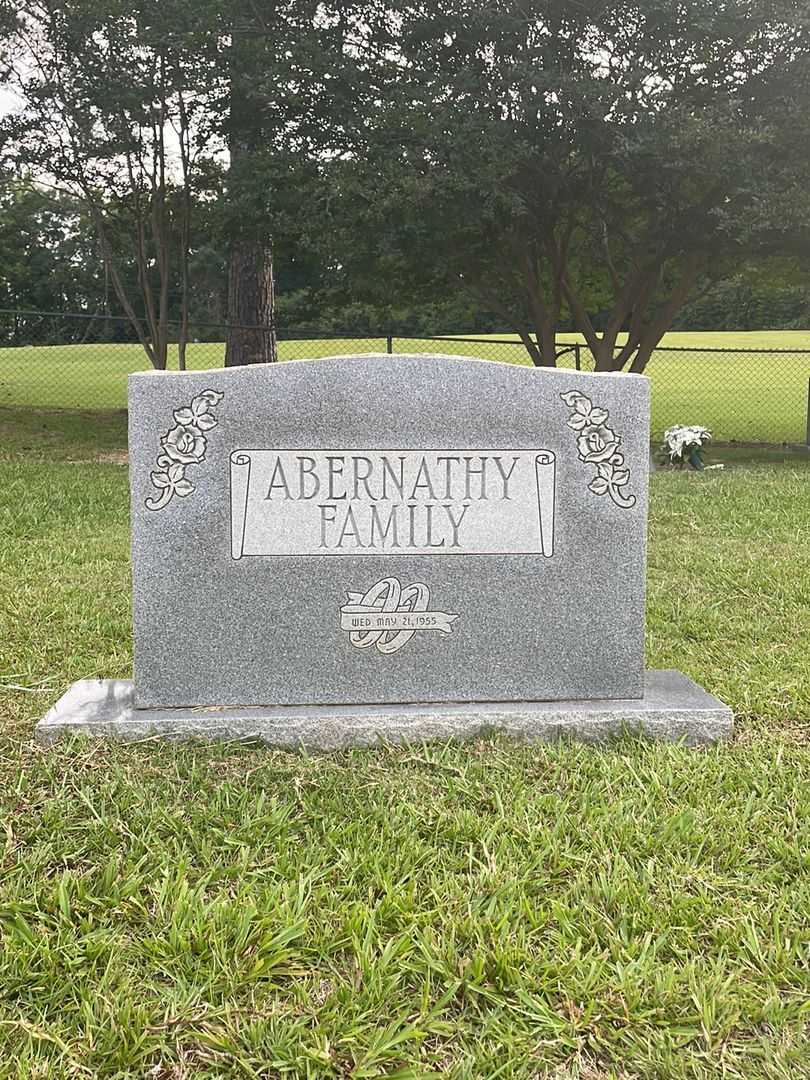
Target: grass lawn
488,910
742,396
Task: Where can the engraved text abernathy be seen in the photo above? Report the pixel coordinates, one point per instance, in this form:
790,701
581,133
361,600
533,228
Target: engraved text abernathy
389,502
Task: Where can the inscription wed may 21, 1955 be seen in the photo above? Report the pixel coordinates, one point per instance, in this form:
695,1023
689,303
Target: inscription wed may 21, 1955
377,529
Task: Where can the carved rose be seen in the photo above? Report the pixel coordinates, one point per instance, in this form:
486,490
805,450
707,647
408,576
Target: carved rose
185,444
597,443
182,445
585,414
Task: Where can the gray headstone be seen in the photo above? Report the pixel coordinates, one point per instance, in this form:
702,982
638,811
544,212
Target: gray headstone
383,529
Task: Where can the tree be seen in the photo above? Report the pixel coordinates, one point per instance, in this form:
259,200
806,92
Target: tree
300,85
251,296
48,252
119,103
558,157
768,294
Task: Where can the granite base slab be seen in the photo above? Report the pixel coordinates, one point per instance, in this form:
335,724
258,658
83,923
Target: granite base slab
673,708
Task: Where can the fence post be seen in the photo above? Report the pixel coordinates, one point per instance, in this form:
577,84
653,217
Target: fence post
577,363
807,436
389,344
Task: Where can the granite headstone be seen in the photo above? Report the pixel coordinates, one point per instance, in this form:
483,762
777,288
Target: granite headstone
357,533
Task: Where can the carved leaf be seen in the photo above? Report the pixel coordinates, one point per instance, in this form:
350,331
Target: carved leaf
160,479
578,422
598,416
605,470
598,485
621,477
184,416
583,405
570,397
183,488
176,472
205,421
210,397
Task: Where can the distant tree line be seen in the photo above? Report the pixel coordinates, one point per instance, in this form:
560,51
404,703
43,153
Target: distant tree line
49,262
759,299
350,165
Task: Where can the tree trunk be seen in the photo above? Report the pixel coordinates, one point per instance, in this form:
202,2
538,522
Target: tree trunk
547,333
251,334
251,301
603,357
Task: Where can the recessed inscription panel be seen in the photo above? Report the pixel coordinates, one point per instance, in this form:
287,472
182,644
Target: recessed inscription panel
392,502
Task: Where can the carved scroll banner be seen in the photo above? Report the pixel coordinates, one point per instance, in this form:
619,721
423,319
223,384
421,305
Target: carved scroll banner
387,616
392,502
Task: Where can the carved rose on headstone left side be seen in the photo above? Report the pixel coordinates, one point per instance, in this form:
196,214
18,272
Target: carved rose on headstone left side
597,442
185,444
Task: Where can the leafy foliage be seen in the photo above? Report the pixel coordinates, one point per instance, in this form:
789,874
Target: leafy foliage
559,158
118,110
552,163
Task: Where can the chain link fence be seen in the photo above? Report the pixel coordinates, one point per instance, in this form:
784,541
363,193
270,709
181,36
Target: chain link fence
81,362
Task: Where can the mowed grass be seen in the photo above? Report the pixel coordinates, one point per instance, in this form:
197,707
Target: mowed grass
489,910
95,376
741,395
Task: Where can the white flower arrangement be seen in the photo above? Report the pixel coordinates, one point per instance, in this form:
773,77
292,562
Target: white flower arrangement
684,444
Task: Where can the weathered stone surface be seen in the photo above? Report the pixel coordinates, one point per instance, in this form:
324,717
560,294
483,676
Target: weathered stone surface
673,708
383,529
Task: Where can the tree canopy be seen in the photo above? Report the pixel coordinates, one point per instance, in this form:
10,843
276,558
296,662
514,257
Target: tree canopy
119,107
558,158
553,161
